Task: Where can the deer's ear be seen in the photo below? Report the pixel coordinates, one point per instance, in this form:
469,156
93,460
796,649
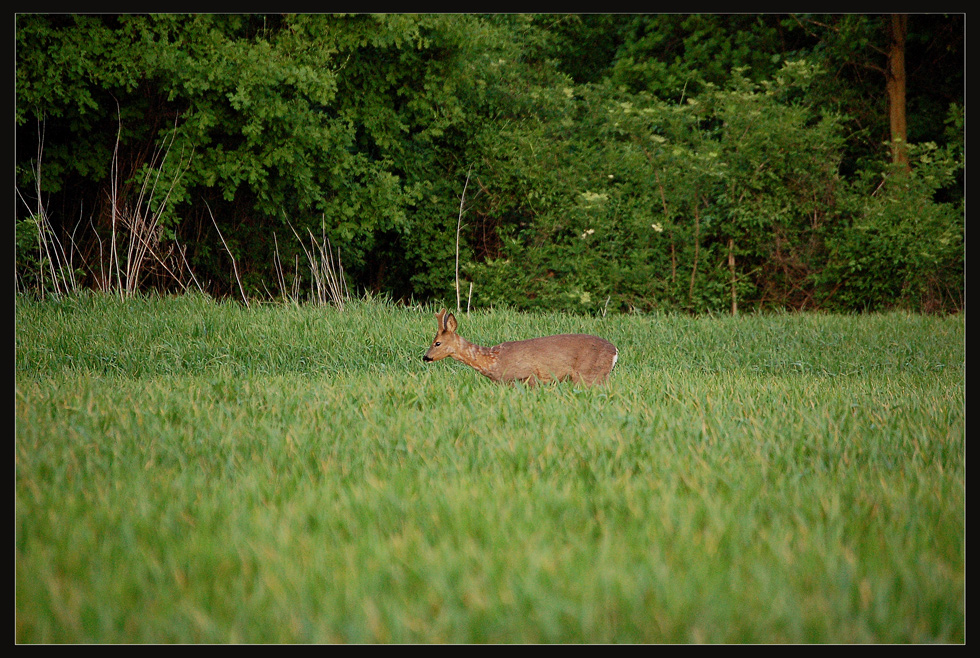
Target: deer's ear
451,323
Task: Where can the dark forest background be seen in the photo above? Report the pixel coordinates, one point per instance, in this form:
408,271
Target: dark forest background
588,163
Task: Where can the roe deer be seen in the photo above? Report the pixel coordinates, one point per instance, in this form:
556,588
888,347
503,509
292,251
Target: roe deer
579,357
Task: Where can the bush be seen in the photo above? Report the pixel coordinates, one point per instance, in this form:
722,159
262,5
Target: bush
902,247
363,129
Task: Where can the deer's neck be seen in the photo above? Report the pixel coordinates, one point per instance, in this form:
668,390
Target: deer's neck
482,359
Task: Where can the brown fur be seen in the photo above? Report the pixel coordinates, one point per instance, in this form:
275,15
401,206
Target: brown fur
581,358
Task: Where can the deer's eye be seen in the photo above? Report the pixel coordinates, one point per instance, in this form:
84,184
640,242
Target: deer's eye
437,343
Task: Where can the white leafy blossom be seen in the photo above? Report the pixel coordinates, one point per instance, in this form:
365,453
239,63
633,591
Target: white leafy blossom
594,197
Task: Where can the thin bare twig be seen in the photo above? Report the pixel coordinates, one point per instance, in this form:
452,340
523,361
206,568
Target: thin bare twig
329,283
234,265
459,224
50,250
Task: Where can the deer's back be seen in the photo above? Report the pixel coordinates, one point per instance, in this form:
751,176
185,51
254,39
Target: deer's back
578,357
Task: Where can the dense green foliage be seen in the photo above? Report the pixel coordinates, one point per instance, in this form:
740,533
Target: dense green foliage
194,471
610,161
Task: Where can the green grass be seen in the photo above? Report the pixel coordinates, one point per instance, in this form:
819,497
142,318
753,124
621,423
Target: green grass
193,471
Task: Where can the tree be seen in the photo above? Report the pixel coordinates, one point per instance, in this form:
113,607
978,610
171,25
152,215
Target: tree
678,161
895,86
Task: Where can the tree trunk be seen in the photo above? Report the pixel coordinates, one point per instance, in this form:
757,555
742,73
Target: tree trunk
895,85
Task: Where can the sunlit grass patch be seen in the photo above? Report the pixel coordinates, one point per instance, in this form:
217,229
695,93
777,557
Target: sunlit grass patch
192,471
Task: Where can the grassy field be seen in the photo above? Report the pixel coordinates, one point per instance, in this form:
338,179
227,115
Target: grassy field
193,471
